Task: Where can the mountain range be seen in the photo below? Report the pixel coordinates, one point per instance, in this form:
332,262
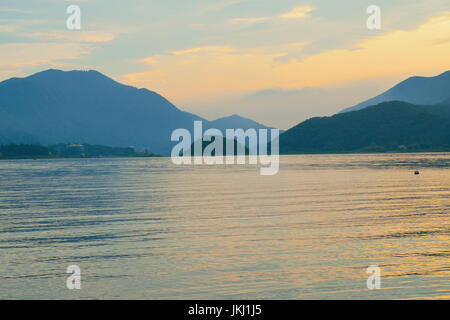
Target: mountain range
416,90
393,126
54,106
57,107
412,116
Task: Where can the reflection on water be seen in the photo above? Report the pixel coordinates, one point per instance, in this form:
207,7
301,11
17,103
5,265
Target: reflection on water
146,229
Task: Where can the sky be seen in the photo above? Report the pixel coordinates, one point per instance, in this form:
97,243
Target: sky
277,62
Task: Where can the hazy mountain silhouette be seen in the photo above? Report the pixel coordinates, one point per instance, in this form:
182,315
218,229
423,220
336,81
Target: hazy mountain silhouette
415,90
389,126
236,121
54,106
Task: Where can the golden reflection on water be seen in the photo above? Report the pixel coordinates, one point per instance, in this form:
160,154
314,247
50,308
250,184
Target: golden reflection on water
144,228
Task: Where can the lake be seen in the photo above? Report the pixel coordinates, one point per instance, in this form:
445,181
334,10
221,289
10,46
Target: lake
144,228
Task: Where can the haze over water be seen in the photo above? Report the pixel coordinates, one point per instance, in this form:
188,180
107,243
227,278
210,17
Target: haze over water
147,229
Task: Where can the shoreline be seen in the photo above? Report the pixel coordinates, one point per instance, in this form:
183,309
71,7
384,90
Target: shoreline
164,156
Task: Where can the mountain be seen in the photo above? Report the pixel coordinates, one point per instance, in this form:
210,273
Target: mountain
389,126
236,121
54,106
232,122
442,109
415,90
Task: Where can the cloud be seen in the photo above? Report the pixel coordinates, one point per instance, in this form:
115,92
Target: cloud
297,13
208,49
18,56
46,49
401,52
249,21
73,36
209,70
7,28
15,10
218,6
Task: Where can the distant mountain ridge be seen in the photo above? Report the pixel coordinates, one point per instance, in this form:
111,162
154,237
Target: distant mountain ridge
415,90
86,107
236,121
55,106
386,127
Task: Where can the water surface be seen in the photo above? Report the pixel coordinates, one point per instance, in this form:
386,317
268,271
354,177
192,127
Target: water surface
147,229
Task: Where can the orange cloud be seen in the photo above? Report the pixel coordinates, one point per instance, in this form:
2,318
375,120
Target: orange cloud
77,36
297,13
249,21
209,49
195,72
422,50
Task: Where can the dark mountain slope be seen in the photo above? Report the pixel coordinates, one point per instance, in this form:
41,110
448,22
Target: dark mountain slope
416,90
442,110
87,107
389,126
